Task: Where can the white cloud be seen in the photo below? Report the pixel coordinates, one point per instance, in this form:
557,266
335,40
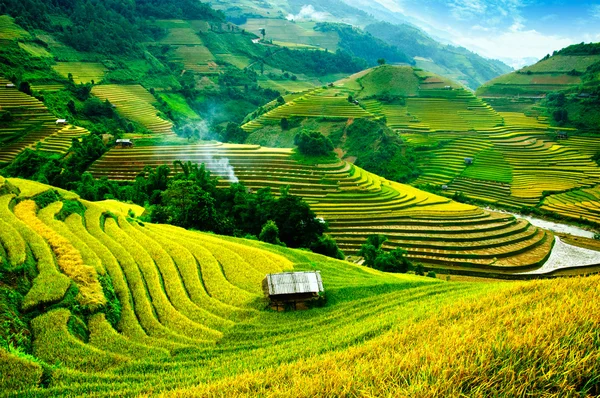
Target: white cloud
308,13
392,5
595,11
464,9
514,46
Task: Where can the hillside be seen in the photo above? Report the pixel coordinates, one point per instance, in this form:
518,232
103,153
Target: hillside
357,204
430,130
308,23
97,303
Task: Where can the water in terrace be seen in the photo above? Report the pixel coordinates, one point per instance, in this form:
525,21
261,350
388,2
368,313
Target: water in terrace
567,256
552,226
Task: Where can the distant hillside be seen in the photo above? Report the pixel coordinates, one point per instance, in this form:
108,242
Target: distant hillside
456,63
415,46
565,85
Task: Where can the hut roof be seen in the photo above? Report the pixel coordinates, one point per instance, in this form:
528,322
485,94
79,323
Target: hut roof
294,282
123,141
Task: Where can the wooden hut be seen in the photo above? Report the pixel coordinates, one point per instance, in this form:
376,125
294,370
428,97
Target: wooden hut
61,122
123,143
562,135
293,290
468,161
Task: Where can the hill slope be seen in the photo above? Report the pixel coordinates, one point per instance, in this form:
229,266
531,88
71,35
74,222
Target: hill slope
118,307
357,204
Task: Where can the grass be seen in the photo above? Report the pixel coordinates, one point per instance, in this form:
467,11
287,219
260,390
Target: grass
194,323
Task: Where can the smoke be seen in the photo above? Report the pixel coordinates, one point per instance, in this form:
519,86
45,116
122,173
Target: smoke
221,166
308,13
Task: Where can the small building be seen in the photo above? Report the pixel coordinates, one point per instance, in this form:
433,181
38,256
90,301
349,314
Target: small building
10,85
61,122
123,143
293,290
444,187
468,161
584,95
447,87
562,135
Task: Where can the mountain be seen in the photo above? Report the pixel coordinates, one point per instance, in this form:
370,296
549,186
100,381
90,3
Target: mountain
566,85
283,20
453,62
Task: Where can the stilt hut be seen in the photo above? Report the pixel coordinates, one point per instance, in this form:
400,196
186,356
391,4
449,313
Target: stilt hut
293,290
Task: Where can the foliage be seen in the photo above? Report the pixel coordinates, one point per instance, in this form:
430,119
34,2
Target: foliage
45,198
313,143
390,261
327,246
381,151
270,233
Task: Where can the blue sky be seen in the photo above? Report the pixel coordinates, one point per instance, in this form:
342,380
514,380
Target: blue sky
511,30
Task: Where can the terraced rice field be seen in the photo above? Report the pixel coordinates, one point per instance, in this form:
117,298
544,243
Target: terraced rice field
576,205
61,141
539,79
357,204
134,102
32,122
9,30
192,320
293,34
329,103
82,72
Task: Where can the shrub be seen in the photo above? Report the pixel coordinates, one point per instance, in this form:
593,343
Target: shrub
270,233
327,246
419,270
432,274
313,143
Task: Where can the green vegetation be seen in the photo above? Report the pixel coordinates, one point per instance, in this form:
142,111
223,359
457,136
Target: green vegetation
180,303
313,143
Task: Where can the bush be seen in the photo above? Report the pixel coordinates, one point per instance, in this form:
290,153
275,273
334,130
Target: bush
313,143
431,274
327,246
420,270
270,233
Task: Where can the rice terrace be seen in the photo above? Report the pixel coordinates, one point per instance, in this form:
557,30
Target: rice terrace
299,199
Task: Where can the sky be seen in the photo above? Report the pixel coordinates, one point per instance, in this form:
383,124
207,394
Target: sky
518,32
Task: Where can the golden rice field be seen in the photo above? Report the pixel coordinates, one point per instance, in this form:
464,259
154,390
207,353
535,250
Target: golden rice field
135,103
193,321
357,204
82,72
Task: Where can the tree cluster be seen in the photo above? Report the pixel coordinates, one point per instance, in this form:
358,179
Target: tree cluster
313,143
387,261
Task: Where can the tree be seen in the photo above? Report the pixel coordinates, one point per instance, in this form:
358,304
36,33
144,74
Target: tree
313,143
381,61
270,233
280,100
24,87
327,246
189,205
71,107
372,249
263,32
285,124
